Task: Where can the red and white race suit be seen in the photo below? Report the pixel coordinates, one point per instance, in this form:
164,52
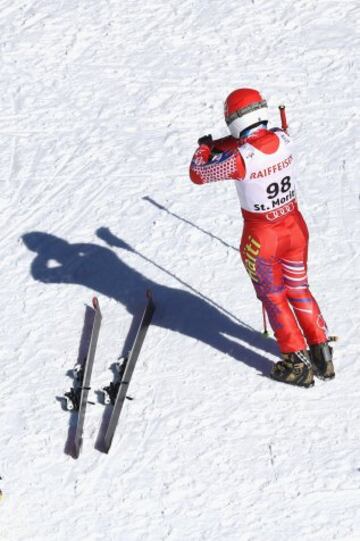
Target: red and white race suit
274,242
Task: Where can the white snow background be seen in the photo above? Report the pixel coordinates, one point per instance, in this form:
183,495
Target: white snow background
101,105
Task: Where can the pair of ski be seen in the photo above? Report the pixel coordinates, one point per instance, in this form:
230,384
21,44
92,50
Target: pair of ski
115,393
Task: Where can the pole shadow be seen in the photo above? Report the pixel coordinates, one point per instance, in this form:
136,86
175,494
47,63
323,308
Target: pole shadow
188,222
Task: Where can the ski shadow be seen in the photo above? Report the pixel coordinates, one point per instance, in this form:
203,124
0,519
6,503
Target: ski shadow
188,313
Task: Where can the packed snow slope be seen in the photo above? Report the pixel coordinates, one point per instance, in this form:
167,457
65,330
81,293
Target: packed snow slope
101,105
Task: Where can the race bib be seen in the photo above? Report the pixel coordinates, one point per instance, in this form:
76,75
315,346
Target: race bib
269,182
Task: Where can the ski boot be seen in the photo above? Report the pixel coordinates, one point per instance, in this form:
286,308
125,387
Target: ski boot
321,360
295,368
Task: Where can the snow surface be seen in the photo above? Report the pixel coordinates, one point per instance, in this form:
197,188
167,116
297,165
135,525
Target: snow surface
101,104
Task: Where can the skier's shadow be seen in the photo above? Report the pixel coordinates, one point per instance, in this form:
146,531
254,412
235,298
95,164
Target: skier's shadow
101,270
185,312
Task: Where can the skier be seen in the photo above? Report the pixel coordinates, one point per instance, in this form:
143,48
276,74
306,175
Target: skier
274,242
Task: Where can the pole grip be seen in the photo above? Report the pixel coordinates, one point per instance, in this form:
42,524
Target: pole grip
284,124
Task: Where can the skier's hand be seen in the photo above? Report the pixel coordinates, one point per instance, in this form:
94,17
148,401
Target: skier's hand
206,140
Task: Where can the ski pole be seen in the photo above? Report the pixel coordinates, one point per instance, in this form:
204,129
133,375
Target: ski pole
265,331
284,124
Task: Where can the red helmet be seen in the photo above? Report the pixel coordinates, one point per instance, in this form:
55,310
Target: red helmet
244,108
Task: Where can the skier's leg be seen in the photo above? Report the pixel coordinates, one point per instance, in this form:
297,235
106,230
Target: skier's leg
294,265
305,306
258,249
258,246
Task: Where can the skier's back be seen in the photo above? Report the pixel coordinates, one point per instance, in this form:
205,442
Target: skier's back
275,237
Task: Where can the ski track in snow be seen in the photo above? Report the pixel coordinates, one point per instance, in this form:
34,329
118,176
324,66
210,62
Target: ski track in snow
101,105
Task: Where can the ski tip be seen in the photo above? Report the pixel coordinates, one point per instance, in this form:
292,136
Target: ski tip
95,303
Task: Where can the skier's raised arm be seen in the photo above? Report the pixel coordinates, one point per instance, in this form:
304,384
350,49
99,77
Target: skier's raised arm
216,160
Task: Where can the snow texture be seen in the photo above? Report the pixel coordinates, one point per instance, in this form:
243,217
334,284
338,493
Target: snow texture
101,105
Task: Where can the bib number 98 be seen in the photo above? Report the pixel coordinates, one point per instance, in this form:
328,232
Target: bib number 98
274,188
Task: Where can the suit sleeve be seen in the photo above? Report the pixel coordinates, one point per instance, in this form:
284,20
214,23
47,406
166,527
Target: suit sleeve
222,163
